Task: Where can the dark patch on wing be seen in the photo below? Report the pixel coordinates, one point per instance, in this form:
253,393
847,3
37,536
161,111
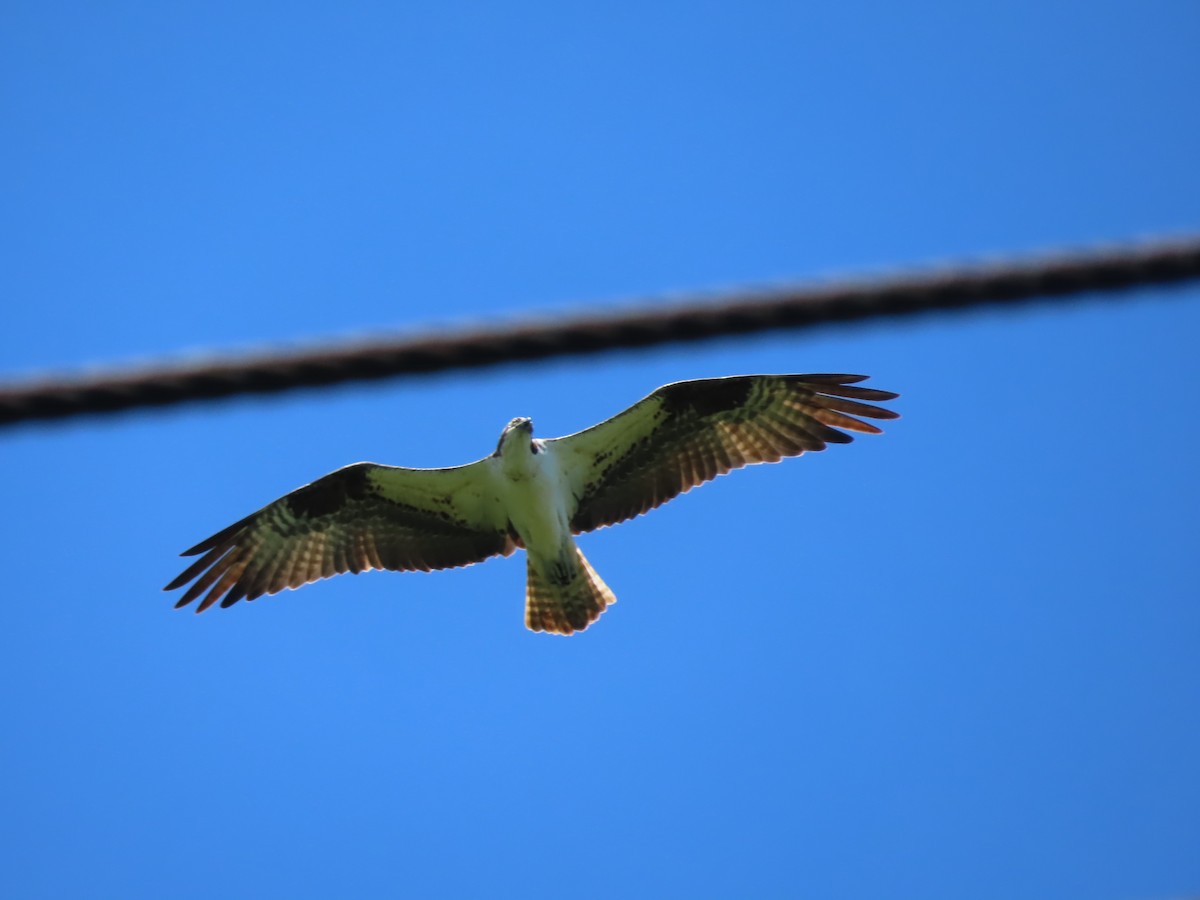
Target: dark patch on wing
706,397
329,494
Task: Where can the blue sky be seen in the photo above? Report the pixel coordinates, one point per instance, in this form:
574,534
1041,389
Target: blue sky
955,660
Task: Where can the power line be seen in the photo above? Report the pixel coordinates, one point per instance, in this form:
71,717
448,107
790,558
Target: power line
803,306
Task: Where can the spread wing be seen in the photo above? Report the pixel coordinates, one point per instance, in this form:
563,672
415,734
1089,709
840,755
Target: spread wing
687,433
361,517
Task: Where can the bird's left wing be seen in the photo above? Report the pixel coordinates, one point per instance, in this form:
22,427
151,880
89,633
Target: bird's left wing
689,432
361,517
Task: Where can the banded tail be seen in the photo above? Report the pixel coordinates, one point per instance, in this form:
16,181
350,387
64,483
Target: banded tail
567,596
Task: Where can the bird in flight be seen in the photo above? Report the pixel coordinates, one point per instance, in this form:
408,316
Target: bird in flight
531,494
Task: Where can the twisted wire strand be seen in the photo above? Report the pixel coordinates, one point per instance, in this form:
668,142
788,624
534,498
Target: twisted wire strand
1047,277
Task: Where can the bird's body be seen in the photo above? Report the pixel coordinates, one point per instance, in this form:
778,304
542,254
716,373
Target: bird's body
530,485
563,593
529,494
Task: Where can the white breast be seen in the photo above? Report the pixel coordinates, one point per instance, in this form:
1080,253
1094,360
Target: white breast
536,497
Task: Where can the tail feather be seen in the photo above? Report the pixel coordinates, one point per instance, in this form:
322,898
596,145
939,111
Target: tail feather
564,595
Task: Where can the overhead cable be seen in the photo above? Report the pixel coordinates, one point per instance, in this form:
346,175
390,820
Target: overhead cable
1044,278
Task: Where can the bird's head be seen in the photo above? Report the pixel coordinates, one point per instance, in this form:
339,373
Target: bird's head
517,433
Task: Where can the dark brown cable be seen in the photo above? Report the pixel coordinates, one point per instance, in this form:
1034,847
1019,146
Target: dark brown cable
1047,277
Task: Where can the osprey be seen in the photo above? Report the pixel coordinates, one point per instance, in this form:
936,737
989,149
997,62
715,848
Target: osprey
531,494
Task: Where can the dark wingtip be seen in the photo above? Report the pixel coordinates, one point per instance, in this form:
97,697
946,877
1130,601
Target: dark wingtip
838,385
206,602
220,537
206,544
235,594
827,378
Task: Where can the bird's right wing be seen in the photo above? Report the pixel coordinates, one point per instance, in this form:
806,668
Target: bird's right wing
361,517
689,432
